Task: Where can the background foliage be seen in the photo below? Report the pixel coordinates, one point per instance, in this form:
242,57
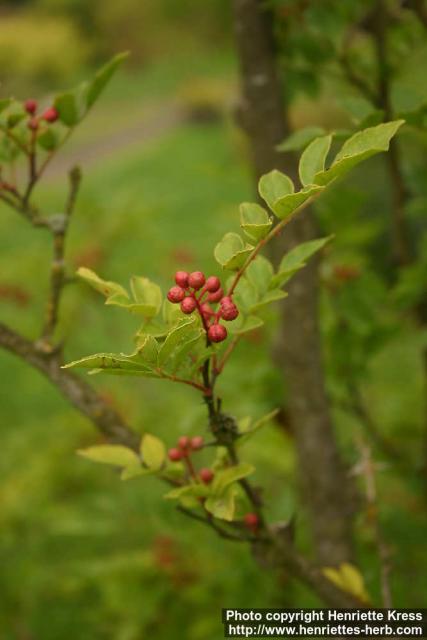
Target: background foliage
79,549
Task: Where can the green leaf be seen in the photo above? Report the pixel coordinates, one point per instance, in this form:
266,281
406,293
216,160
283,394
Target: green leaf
249,432
118,300
359,147
107,288
5,103
300,139
195,490
147,295
190,345
154,327
172,314
271,296
114,454
255,221
102,77
69,110
175,339
15,118
274,185
153,452
313,159
260,273
222,506
245,295
147,348
113,363
49,139
284,207
231,252
134,471
244,325
348,578
73,105
228,476
296,259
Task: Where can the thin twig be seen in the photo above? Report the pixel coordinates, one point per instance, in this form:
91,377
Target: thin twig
367,468
227,353
14,139
209,522
59,227
191,383
273,233
250,492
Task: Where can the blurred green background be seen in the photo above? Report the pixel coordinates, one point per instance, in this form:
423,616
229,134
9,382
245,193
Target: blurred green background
83,555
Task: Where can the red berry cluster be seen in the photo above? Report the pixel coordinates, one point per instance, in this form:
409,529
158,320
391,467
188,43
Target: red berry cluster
185,447
194,291
49,115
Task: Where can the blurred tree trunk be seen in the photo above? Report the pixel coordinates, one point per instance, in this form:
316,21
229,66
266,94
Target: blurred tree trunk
325,485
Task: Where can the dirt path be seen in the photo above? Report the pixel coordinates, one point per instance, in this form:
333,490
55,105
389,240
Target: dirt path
157,123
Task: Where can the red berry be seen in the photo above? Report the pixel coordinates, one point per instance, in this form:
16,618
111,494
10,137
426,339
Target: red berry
217,333
33,124
50,115
207,310
196,280
229,312
251,521
213,283
184,442
226,300
206,475
181,279
188,305
174,455
197,443
176,294
30,106
215,297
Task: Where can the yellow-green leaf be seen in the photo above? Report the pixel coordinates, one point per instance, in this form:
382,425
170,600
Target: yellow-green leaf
255,221
360,146
222,506
153,452
313,159
231,252
274,185
106,287
348,578
114,454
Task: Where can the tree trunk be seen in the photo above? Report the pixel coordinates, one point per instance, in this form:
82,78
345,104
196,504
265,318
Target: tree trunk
325,486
